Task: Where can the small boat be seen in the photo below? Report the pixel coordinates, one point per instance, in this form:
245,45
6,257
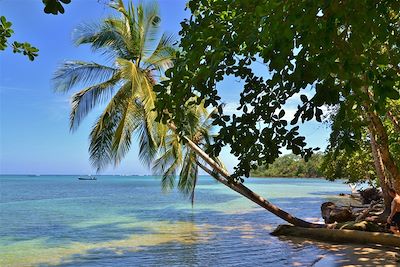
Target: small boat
87,178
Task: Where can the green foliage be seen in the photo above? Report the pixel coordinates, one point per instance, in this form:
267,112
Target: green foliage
24,48
349,154
54,6
343,49
51,6
355,165
292,166
393,129
5,32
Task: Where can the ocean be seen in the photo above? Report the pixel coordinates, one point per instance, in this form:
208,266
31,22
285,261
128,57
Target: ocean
129,221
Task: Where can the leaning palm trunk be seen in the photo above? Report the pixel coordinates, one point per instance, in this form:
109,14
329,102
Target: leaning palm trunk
227,180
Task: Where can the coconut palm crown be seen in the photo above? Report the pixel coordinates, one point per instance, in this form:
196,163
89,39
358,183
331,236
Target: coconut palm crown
139,56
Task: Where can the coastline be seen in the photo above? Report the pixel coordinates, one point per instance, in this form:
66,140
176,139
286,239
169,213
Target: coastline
128,222
289,177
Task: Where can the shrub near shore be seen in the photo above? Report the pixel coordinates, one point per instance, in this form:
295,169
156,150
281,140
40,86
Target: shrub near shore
292,166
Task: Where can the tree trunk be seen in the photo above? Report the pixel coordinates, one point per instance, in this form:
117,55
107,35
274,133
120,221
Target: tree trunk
340,236
394,120
383,147
248,193
227,180
380,171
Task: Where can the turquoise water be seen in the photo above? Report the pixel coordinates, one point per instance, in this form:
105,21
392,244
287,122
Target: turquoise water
128,221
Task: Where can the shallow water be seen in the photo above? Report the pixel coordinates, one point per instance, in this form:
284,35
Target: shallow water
128,221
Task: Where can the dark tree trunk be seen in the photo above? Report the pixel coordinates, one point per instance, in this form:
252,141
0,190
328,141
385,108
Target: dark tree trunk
340,236
380,171
381,139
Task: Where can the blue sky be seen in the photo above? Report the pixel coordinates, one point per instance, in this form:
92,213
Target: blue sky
34,126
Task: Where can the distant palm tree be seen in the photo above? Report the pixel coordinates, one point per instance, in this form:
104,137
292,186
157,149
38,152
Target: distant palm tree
139,56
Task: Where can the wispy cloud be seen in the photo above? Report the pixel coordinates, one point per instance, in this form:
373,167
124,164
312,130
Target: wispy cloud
4,89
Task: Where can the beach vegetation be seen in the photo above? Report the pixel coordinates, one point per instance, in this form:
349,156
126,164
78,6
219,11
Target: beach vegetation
25,48
339,56
292,166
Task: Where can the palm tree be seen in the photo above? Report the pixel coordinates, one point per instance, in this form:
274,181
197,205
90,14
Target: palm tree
175,156
188,154
139,58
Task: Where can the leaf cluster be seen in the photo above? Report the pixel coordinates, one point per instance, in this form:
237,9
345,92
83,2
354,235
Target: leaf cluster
25,48
5,32
55,6
292,166
356,165
51,7
337,48
349,153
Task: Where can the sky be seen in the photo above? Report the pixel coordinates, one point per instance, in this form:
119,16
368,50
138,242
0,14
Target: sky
34,120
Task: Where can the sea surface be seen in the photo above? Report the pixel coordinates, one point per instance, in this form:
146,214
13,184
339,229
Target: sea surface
129,221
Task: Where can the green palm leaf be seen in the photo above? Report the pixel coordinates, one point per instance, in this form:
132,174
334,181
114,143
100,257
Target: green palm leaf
169,161
108,37
138,54
161,57
83,101
129,122
73,73
102,134
188,175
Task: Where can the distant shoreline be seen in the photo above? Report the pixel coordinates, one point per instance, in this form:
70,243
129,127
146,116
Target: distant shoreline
144,175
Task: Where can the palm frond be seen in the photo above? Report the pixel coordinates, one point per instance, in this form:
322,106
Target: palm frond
169,161
119,6
148,96
150,26
130,120
106,37
147,144
102,134
130,72
188,175
72,73
84,101
161,58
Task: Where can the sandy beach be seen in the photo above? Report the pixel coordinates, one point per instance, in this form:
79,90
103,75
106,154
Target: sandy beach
350,255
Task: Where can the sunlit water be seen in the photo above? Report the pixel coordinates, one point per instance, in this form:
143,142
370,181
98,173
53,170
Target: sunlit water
129,221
